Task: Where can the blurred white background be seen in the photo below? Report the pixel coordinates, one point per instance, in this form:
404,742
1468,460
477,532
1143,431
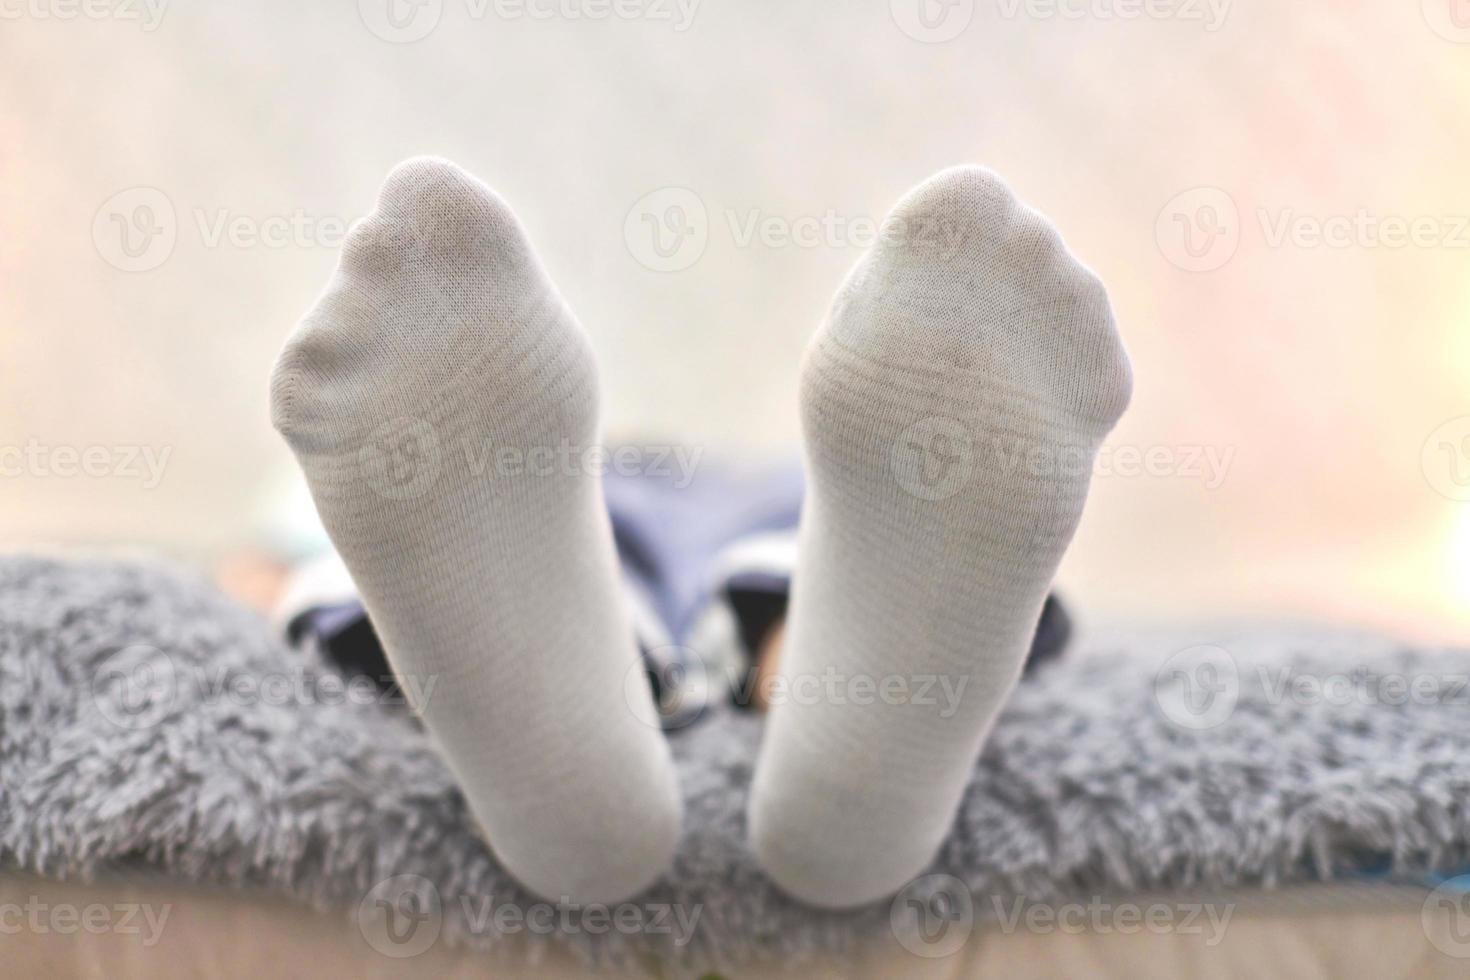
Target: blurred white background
1274,193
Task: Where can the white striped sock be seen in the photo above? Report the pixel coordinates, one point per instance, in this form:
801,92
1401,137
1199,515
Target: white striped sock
952,403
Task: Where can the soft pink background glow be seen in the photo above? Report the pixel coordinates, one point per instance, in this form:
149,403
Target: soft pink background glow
1324,370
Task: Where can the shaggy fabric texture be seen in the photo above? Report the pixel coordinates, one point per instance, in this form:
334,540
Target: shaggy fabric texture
147,724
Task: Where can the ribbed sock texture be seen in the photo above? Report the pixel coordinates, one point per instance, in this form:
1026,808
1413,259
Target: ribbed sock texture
436,398
952,405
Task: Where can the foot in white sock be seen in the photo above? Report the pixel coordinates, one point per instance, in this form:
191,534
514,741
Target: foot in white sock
953,403
418,396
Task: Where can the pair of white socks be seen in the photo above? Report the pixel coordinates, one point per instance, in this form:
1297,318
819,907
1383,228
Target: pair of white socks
952,404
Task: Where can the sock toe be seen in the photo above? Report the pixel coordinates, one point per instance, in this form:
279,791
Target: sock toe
967,279
431,213
438,274
968,193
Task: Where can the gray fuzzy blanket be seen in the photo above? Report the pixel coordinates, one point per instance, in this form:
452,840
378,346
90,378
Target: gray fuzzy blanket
149,724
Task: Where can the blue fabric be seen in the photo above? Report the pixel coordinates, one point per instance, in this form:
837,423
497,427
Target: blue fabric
669,535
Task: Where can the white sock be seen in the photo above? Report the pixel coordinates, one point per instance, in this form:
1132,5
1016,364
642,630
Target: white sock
952,405
422,396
